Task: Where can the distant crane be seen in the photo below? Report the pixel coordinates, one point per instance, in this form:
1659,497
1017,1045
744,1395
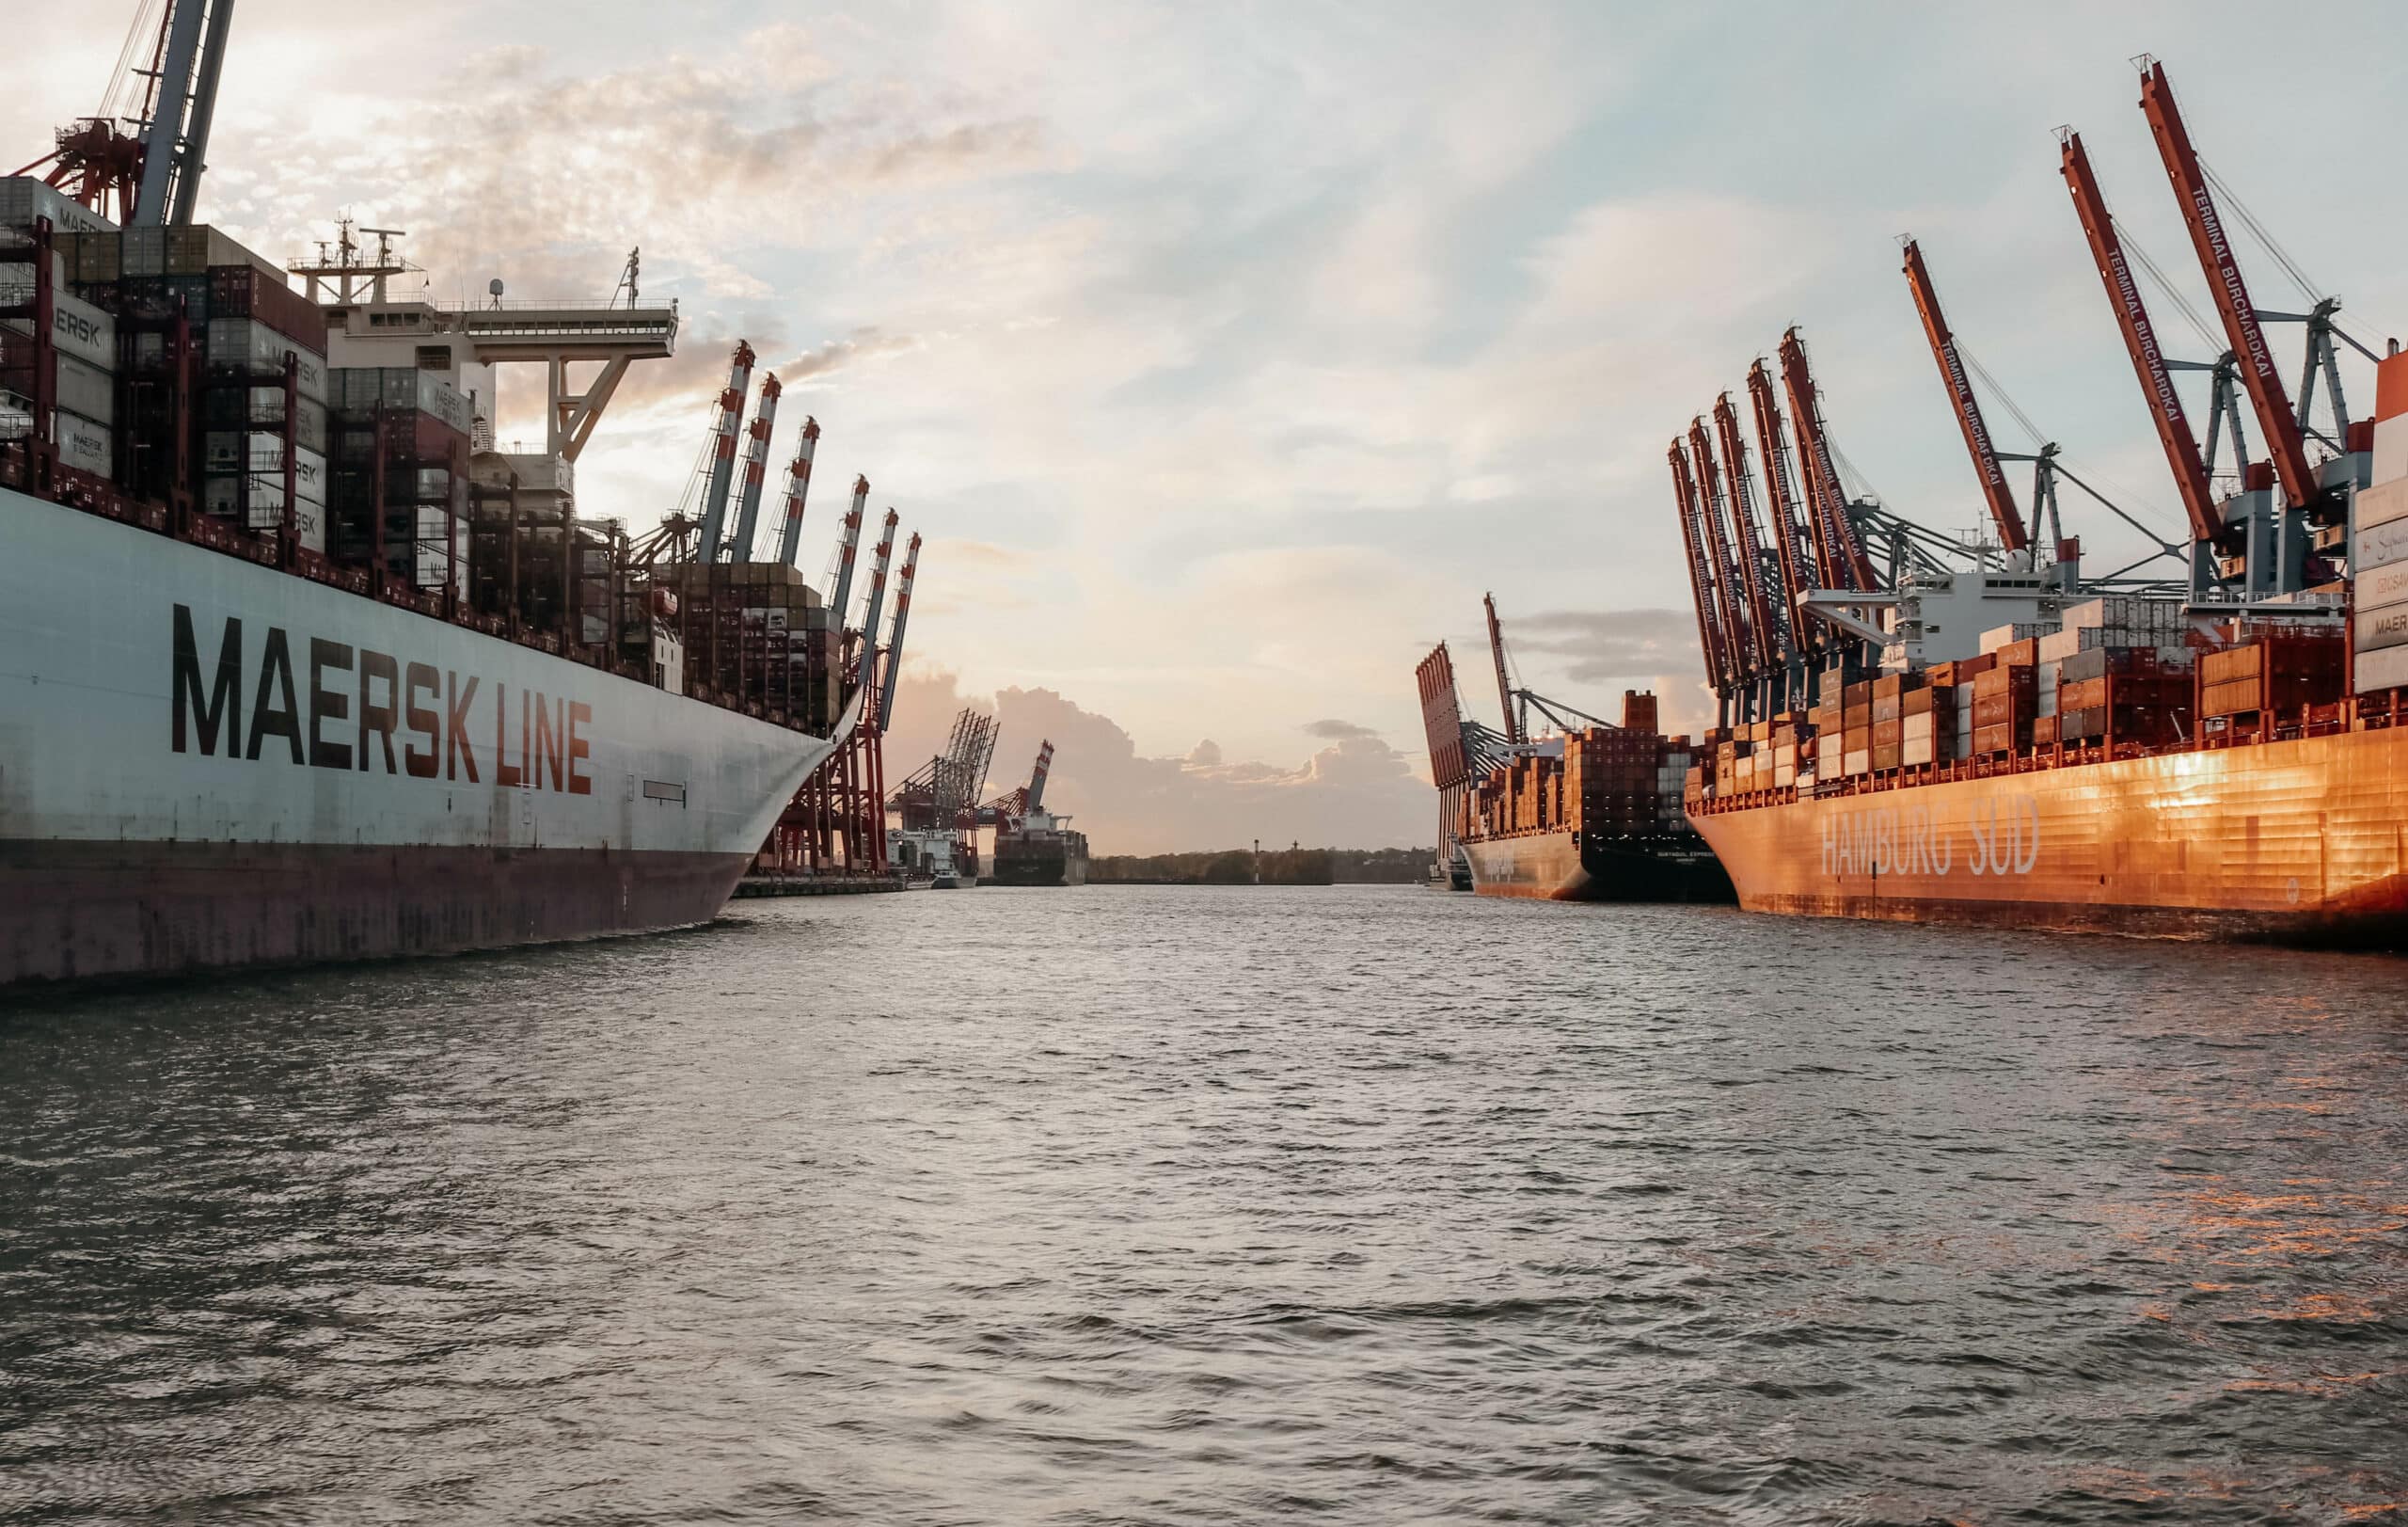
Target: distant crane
727,416
1035,800
756,468
1504,686
798,488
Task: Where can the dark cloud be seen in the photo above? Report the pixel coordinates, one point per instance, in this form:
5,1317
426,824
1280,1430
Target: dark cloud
1612,646
1337,731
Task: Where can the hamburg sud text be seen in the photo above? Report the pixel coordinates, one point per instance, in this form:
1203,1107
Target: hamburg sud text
431,712
2002,836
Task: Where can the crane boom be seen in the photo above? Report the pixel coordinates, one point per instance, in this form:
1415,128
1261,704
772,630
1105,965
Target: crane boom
182,101
2285,441
1709,627
895,640
2140,342
1771,638
1728,597
798,488
723,432
880,560
756,468
1835,537
1504,686
1791,535
1995,491
848,541
1037,777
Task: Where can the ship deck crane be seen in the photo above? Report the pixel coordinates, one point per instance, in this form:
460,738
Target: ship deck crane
895,640
1792,536
756,468
1986,457
727,416
798,488
1035,800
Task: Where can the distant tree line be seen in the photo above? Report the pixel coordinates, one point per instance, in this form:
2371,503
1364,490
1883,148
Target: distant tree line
1278,867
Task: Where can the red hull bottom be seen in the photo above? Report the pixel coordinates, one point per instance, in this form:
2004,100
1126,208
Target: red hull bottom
75,910
2381,923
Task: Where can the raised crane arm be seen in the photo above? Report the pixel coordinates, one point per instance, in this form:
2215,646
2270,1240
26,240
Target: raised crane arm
1728,597
2285,441
894,641
1995,491
1791,533
2140,342
848,541
1709,626
798,488
1504,684
1771,637
1037,777
1835,537
756,468
879,562
182,105
724,431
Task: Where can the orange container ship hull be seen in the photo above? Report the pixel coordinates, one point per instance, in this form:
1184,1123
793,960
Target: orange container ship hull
2302,841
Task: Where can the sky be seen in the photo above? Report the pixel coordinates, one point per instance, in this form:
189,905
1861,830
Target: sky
1227,354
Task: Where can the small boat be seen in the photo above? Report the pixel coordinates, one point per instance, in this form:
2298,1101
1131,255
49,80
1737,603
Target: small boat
947,881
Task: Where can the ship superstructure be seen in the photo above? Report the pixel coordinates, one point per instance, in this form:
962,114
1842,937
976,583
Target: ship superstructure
2202,742
305,668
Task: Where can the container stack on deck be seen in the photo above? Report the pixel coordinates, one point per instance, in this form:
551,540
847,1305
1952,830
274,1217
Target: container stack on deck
1618,781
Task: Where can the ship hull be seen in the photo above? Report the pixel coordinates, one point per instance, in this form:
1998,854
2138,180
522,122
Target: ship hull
208,764
1039,866
2300,842
1567,867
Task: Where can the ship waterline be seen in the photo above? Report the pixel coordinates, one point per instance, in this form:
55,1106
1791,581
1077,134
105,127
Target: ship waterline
205,762
2297,842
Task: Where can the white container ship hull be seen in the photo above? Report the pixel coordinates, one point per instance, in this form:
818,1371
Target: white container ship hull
208,763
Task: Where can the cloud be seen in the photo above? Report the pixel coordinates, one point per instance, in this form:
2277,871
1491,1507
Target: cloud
1356,792
1610,645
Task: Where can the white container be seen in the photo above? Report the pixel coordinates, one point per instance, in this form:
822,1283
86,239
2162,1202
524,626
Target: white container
2379,547
84,445
2390,457
2383,670
2383,504
76,328
23,199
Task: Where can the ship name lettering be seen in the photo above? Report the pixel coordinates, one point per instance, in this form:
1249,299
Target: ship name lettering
353,727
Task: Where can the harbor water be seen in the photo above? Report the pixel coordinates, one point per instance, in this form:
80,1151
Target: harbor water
1216,1205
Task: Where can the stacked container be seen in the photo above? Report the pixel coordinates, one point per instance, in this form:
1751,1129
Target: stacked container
78,370
404,434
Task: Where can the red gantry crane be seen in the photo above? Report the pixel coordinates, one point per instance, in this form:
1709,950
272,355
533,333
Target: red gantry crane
1730,600
2286,441
1837,545
1718,669
2140,341
1995,491
1762,582
756,469
1792,536
894,641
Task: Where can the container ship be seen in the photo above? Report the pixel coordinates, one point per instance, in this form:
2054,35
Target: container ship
1592,813
1988,737
1034,846
300,668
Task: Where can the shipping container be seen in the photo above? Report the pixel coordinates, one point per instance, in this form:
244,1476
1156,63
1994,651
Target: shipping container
78,329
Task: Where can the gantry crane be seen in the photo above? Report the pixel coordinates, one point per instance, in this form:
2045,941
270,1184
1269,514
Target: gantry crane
150,178
756,468
1513,732
894,641
727,415
1731,600
1837,545
1986,457
1791,534
849,540
1721,672
881,560
2209,531
798,488
1768,594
